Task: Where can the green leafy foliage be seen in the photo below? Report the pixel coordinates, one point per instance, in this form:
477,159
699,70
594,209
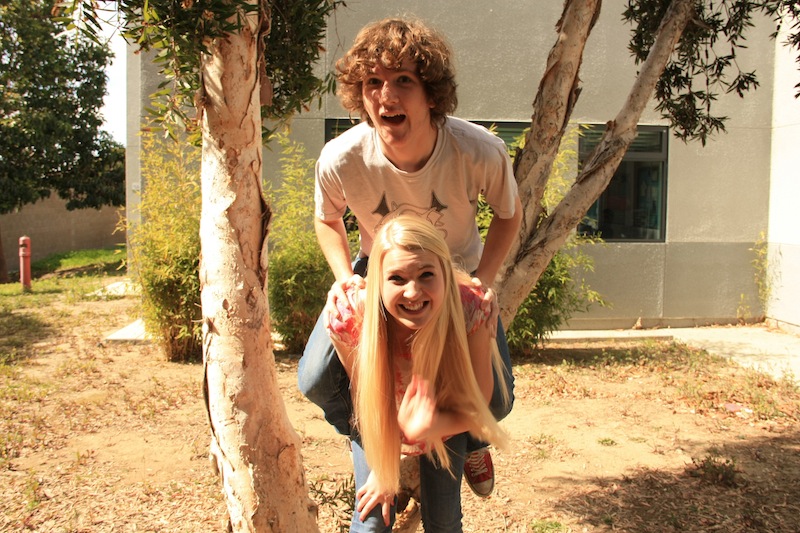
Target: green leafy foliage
165,246
705,61
559,293
298,272
291,49
561,290
290,36
52,86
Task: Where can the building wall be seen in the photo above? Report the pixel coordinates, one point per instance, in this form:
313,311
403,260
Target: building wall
718,196
784,237
53,229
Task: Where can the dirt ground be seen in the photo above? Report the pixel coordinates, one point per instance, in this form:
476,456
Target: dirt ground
107,437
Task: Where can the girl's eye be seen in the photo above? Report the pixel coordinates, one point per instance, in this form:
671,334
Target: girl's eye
404,79
426,275
372,81
395,279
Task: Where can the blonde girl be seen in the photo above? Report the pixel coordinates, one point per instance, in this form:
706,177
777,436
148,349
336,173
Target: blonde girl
418,350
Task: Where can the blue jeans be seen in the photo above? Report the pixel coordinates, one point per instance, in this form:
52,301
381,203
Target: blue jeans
323,380
440,492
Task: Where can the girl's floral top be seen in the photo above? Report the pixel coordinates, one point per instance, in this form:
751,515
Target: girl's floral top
348,329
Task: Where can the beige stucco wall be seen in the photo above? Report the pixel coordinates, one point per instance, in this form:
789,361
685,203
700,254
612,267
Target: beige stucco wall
784,235
53,229
718,196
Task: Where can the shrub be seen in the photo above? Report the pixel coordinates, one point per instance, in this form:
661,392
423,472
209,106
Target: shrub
559,293
299,276
561,290
165,246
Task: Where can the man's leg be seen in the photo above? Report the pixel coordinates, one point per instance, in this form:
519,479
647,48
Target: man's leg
497,406
478,466
323,380
321,376
440,492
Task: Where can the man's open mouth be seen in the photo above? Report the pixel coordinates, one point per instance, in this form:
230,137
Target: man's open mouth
393,119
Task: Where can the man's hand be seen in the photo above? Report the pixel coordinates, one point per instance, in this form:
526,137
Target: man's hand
489,305
371,495
338,293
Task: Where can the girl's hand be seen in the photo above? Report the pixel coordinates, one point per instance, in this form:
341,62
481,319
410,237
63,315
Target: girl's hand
417,413
371,495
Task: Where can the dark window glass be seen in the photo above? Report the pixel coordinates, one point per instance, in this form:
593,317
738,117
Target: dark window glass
632,208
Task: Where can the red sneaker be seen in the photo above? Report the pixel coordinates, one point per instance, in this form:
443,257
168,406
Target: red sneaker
479,472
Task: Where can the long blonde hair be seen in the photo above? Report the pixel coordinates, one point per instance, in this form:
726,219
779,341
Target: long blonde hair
440,355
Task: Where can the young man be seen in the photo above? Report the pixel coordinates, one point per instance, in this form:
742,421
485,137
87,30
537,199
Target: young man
407,156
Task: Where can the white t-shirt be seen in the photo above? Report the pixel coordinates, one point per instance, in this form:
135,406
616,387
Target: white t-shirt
467,160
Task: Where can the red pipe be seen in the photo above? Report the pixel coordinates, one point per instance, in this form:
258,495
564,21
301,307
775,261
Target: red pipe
25,262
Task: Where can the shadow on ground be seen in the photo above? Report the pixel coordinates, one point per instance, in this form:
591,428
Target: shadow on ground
18,332
750,486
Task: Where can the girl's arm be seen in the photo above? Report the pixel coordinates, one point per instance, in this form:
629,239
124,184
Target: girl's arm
480,353
347,356
420,420
371,495
344,317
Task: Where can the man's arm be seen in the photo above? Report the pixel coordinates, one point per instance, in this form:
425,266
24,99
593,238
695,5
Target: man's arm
332,237
499,238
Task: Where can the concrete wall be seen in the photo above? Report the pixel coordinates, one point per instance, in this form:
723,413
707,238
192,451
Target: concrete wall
718,196
53,229
784,236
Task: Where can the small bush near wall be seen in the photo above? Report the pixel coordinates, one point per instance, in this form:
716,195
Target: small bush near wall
299,276
561,291
165,246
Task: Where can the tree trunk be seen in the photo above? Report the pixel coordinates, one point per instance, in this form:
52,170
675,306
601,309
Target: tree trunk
253,445
542,235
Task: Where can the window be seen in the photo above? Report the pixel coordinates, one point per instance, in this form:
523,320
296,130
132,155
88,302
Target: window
632,208
510,132
336,126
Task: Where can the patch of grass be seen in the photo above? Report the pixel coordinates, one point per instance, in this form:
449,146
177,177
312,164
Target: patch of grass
158,398
18,332
27,317
45,291
715,470
18,427
543,446
337,496
94,261
547,526
607,442
32,492
77,367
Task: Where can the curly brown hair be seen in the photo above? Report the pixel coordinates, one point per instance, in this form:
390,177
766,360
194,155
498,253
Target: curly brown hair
390,42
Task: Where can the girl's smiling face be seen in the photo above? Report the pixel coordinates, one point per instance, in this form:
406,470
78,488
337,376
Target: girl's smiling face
412,287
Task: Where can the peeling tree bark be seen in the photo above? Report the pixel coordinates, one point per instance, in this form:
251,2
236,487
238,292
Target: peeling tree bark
542,236
254,447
